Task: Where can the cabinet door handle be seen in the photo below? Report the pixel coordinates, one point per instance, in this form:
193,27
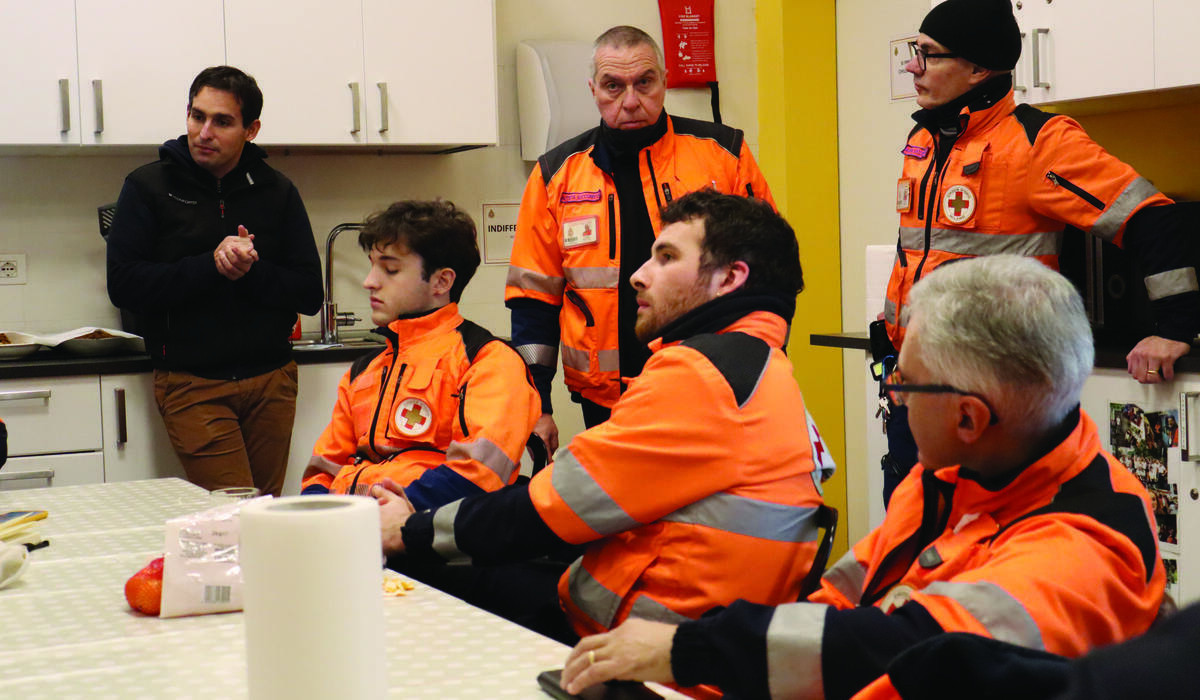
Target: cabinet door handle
356,106
1020,88
122,424
1037,73
22,395
383,107
98,93
64,101
47,474
1185,427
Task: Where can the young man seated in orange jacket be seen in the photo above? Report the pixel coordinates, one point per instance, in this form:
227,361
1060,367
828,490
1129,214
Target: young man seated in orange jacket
1015,524
446,409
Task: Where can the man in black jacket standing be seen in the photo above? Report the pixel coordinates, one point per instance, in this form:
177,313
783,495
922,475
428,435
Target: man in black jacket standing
212,248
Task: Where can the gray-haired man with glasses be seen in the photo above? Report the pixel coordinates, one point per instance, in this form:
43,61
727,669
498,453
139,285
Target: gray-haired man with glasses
1016,525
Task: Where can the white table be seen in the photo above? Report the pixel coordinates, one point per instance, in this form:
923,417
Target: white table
68,632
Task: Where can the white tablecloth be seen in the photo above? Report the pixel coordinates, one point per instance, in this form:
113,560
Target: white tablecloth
68,632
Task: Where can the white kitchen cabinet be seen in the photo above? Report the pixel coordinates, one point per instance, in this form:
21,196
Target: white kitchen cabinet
1108,386
40,78
53,431
40,471
1074,49
314,408
51,415
436,63
369,72
305,55
1176,50
97,72
136,62
136,445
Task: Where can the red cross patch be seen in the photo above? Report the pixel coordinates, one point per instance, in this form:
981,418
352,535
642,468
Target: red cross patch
413,417
958,204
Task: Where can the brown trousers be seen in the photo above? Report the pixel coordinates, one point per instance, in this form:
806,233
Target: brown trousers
230,432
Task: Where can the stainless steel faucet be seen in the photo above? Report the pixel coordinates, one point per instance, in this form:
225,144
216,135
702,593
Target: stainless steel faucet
331,320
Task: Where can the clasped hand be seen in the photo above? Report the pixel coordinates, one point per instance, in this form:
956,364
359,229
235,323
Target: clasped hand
235,255
394,509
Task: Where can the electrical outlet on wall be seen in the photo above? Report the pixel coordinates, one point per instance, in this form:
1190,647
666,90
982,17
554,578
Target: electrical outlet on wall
12,268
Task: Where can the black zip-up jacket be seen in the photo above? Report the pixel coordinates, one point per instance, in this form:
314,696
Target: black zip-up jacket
171,215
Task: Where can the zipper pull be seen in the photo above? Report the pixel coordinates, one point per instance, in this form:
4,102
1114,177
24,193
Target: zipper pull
1053,177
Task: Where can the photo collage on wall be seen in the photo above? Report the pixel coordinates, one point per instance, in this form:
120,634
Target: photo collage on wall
1140,439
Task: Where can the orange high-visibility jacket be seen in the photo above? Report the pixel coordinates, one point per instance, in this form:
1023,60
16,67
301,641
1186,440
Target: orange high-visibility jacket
567,244
443,392
1014,180
703,486
1063,558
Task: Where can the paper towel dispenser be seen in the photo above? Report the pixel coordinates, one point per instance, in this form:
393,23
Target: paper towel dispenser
553,99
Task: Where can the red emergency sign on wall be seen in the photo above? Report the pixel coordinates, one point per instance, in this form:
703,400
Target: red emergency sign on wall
689,42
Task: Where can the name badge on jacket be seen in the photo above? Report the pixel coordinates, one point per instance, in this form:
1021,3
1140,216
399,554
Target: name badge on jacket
579,231
904,194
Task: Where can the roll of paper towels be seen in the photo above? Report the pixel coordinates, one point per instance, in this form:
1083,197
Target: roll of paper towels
313,580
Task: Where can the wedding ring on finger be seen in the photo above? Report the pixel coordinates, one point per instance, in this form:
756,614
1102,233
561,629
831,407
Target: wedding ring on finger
1152,371
591,656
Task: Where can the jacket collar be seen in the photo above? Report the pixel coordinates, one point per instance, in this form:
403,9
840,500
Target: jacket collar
614,144
176,151
1068,450
413,328
972,112
769,314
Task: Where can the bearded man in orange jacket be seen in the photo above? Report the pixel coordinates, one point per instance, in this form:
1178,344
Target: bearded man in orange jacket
704,485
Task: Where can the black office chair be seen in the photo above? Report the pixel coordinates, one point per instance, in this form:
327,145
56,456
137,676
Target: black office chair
827,519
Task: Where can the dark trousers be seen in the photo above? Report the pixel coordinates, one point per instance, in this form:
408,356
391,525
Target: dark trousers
593,413
902,451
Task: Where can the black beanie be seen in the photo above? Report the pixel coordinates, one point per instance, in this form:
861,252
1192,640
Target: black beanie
982,31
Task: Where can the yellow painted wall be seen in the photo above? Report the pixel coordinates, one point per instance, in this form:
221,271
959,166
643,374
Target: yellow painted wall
797,98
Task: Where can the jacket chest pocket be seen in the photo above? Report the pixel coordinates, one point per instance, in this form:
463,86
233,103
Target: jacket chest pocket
422,405
971,191
587,231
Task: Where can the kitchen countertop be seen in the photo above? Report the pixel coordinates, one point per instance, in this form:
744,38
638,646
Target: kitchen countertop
1110,351
55,363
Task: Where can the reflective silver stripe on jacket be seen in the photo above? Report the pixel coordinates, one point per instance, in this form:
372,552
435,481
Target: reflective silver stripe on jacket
1112,219
586,498
647,608
794,651
1171,282
535,354
961,242
593,277
590,596
848,576
606,360
889,313
751,517
534,281
1001,615
443,533
486,453
319,462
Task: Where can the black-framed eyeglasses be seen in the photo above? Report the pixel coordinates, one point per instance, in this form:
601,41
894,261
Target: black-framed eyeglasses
922,55
897,389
